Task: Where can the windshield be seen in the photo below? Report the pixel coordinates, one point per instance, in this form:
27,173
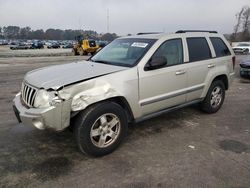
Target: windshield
123,52
92,43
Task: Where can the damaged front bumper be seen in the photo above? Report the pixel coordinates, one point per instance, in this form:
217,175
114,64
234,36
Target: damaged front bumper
54,117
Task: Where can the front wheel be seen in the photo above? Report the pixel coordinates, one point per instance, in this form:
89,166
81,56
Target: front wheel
246,52
214,98
100,129
74,52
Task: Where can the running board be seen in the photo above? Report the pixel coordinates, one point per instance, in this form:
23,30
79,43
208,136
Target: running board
158,113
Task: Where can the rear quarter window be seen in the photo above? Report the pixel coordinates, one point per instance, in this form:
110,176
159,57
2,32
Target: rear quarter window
198,49
220,47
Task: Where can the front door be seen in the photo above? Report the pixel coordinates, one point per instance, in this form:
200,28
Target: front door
164,87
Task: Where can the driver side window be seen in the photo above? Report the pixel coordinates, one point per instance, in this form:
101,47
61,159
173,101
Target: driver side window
172,50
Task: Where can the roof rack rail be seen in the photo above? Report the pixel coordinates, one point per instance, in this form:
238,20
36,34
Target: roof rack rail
148,33
189,31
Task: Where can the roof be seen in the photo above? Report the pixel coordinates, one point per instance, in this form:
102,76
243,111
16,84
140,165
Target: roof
163,35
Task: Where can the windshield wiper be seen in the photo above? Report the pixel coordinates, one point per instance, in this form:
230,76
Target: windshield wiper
109,63
100,61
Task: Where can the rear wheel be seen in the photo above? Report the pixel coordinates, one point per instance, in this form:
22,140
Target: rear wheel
214,98
100,129
81,52
74,52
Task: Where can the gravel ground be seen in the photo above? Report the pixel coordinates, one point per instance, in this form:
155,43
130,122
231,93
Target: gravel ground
185,148
6,52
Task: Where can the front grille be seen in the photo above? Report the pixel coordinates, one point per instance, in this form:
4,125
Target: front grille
28,94
239,49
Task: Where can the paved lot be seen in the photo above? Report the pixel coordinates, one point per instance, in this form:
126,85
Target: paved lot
185,148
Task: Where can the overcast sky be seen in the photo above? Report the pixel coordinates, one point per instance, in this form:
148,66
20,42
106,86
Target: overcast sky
125,16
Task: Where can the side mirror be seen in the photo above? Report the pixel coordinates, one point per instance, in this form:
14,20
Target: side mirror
156,63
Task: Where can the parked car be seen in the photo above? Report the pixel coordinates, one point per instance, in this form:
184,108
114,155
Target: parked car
20,46
14,42
54,45
245,68
3,42
242,48
69,45
101,43
130,80
37,45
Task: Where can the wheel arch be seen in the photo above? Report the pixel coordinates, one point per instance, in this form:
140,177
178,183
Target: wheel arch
120,100
223,78
125,105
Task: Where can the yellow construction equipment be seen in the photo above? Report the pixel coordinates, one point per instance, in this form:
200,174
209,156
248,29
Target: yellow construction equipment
85,46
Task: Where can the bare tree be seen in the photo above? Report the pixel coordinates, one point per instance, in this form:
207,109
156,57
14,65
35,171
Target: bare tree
237,26
245,23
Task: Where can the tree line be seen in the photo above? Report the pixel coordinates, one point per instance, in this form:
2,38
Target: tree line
15,32
242,27
241,31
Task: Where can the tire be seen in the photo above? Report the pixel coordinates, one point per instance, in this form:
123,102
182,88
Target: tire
214,98
246,52
100,129
81,53
85,53
74,52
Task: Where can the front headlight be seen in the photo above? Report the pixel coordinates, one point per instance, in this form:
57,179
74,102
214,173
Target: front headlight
45,99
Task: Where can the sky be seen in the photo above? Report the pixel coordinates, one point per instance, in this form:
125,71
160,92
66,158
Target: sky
125,16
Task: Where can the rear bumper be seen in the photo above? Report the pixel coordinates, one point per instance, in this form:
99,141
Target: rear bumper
54,117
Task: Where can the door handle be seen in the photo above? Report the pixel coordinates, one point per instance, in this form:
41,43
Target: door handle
180,72
211,65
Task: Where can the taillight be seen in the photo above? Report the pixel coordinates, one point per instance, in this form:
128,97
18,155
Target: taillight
233,61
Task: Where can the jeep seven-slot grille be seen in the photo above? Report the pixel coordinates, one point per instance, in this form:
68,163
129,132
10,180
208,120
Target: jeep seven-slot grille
28,94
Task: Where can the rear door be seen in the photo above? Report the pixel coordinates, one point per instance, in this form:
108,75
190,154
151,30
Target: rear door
223,55
200,65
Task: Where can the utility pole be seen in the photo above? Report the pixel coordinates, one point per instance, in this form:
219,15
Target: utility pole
107,20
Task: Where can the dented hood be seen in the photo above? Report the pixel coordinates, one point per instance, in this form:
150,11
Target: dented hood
57,76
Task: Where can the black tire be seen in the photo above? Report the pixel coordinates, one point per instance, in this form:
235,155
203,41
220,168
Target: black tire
85,53
81,53
89,118
74,52
206,104
246,52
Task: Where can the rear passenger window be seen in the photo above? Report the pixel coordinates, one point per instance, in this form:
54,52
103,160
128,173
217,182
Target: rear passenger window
198,49
172,51
220,47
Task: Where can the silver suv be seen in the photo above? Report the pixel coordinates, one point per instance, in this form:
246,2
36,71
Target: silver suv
132,79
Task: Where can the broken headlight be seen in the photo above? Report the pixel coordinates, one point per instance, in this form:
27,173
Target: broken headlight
46,99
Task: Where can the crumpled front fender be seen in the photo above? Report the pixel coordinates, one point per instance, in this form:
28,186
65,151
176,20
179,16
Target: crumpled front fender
94,91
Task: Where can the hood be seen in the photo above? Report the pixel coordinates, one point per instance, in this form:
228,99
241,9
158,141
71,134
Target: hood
235,47
57,76
245,62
